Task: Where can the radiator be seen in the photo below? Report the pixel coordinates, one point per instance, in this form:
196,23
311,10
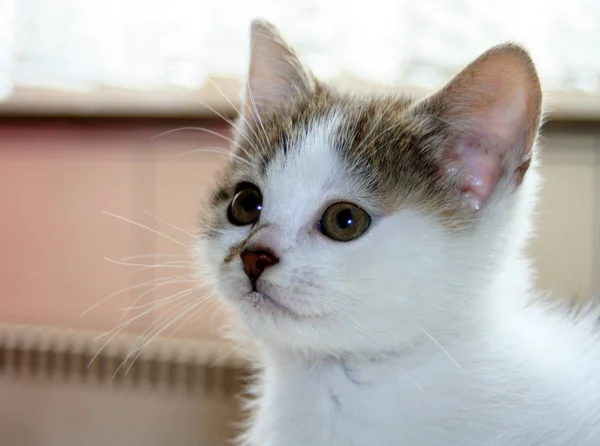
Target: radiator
192,366
54,394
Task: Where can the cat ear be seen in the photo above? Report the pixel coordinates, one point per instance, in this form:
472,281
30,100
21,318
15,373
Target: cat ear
492,111
276,75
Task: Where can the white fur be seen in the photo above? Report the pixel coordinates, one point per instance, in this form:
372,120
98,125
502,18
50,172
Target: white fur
411,334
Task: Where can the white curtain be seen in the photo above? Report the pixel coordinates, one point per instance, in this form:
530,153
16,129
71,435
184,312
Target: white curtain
6,46
176,44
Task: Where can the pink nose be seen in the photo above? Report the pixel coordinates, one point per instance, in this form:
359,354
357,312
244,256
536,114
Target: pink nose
255,262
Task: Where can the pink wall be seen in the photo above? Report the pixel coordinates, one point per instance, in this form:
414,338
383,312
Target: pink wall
57,178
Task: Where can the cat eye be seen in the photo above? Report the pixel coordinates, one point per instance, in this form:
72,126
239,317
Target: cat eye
344,222
246,205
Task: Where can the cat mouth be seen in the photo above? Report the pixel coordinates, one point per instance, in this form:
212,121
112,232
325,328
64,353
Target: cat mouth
262,301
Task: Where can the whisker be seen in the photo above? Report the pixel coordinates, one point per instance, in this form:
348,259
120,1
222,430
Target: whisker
215,149
141,345
188,318
219,152
133,305
240,116
139,285
215,111
224,96
218,307
418,386
198,303
145,256
198,129
164,300
205,301
234,349
128,322
235,156
115,331
230,121
148,291
142,337
144,265
154,231
257,115
181,263
165,222
443,349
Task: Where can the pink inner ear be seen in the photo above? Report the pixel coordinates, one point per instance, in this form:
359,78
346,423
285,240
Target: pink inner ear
477,165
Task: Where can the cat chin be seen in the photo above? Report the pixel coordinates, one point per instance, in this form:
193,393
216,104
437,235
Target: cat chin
255,306
262,303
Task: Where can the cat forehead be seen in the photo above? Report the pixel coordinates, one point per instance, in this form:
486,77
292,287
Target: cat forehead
359,146
360,126
311,159
307,174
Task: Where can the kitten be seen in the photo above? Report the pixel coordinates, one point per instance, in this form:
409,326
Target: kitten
373,248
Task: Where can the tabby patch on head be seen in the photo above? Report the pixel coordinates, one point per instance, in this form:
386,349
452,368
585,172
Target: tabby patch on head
334,195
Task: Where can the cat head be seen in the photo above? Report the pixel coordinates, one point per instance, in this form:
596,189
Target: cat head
354,224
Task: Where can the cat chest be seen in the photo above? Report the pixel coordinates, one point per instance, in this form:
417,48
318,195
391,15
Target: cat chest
345,409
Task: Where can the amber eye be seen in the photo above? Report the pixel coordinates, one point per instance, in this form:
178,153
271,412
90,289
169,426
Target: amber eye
246,205
344,222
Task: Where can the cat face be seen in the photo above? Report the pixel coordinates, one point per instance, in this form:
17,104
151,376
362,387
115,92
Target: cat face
346,224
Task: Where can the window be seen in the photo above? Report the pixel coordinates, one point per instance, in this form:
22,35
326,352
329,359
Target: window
174,47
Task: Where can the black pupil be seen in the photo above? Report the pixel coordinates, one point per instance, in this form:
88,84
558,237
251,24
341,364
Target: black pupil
251,202
344,219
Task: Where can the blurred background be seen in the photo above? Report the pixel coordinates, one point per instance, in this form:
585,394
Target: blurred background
113,122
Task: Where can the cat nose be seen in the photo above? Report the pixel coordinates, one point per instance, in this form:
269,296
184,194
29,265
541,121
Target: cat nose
255,262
